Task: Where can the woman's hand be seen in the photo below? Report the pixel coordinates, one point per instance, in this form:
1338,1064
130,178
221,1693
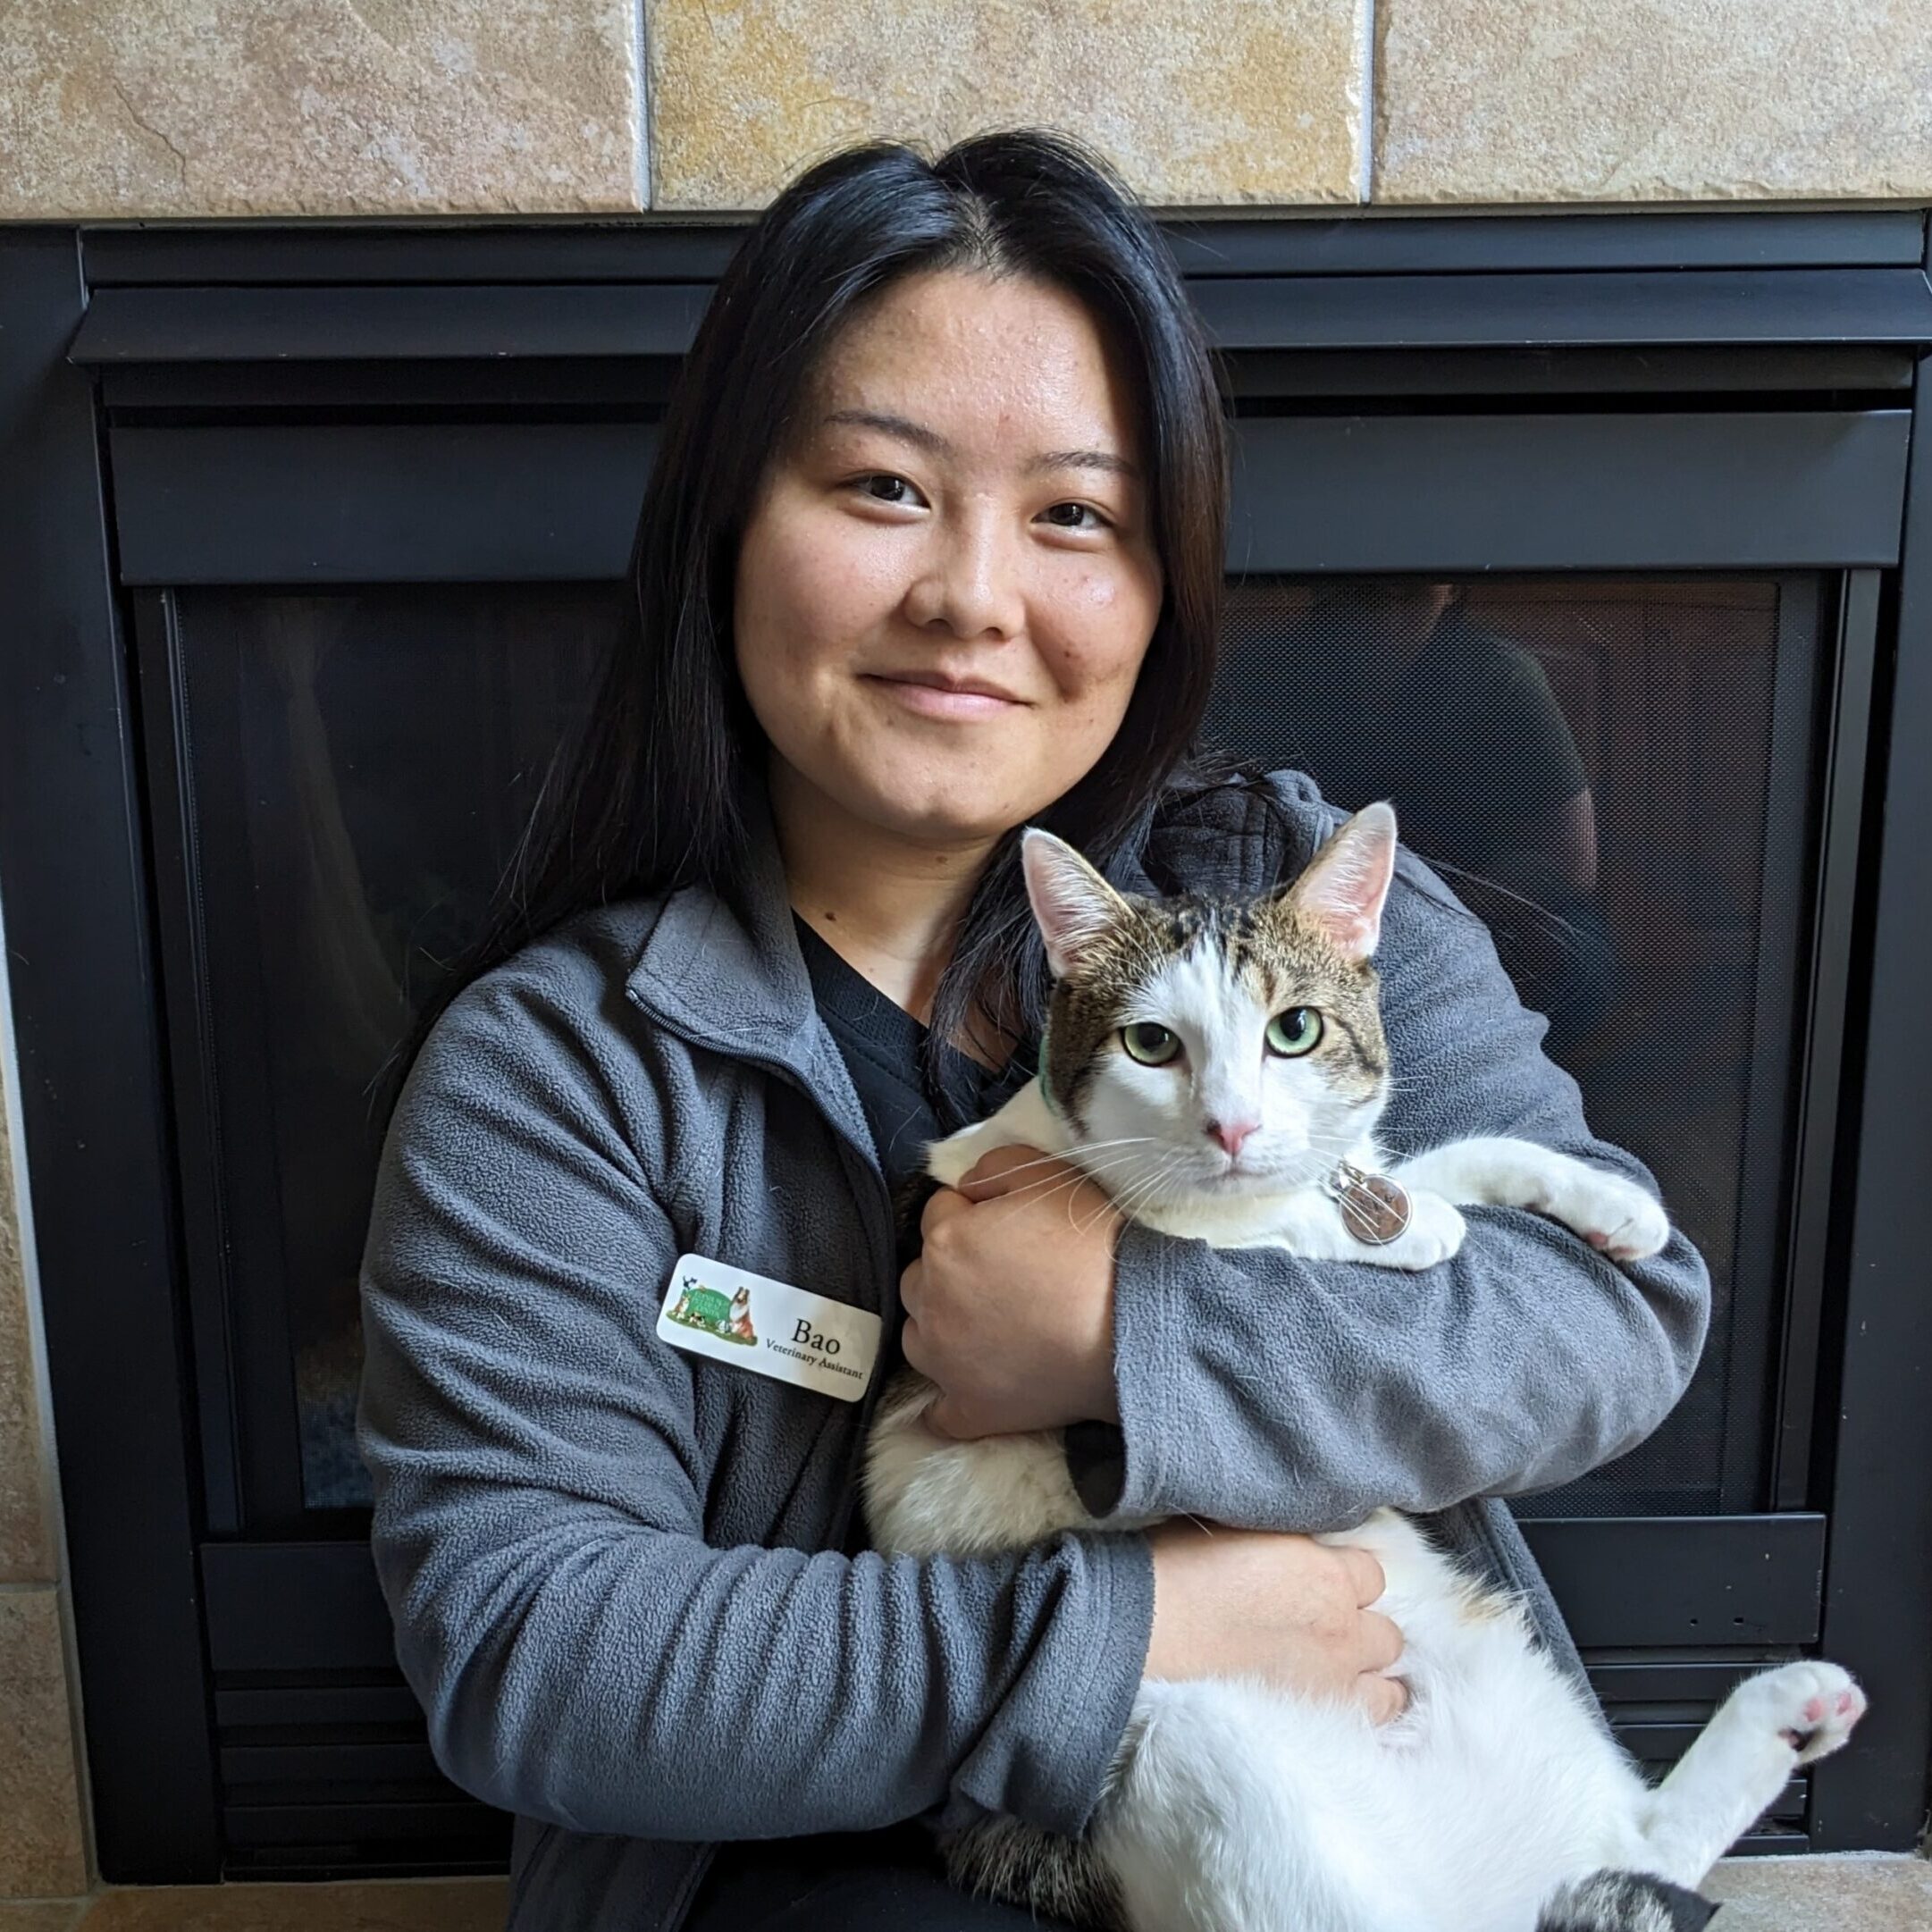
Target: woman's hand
1232,1603
1009,1307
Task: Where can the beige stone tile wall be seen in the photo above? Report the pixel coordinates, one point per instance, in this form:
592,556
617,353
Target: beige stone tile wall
1219,102
42,1854
1488,101
43,1851
312,107
346,108
25,1526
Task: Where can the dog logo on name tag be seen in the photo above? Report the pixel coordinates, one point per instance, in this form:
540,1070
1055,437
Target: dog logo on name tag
706,1308
769,1327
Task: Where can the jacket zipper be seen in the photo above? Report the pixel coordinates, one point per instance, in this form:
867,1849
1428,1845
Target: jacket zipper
877,1211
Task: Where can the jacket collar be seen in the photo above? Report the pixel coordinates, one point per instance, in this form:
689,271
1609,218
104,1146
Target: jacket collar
730,976
729,973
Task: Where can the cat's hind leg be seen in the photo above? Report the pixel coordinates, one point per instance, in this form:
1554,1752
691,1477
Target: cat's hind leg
1768,1726
1626,1220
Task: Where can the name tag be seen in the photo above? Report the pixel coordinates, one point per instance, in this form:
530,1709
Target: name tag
769,1327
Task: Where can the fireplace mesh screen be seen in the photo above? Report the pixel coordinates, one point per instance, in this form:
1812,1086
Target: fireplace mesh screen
363,766
1596,767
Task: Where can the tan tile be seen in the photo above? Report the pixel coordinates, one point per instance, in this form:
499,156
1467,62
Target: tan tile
26,1534
318,107
1220,100
1631,100
1854,1892
41,1855
41,1915
392,1905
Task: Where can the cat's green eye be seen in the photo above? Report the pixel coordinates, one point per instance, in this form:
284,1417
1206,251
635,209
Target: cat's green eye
1296,1032
1151,1045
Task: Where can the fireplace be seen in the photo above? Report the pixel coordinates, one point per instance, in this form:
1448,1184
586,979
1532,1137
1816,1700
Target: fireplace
1603,546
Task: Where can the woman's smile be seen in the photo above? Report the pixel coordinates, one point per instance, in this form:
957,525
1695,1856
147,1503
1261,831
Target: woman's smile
931,696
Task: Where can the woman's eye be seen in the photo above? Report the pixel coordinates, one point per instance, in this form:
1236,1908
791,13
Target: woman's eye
886,477
1296,1032
1151,1046
1099,522
897,489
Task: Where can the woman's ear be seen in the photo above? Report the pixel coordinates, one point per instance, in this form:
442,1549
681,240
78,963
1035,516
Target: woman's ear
1073,904
1343,892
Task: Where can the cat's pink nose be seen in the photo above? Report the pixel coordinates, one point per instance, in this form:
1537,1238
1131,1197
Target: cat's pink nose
1232,1133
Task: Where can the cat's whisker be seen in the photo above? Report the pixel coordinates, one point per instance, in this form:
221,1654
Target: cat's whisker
1114,1198
1090,1169
1054,1161
1088,1146
1044,1187
1095,1147
1137,1196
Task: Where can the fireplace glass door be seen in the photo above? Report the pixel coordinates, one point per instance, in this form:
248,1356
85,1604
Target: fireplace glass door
357,768
1619,774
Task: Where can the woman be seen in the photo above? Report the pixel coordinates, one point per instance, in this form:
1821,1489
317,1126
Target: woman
931,551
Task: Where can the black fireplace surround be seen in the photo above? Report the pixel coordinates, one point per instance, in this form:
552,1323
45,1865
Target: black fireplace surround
1602,544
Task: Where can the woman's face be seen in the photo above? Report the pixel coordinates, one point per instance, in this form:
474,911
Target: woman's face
947,582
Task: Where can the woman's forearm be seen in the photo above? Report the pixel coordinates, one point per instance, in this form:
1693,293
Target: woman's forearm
623,1681
1281,1394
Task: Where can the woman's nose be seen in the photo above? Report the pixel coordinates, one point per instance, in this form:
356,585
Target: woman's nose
969,582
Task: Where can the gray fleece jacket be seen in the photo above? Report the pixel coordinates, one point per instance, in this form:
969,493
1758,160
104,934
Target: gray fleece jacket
616,1568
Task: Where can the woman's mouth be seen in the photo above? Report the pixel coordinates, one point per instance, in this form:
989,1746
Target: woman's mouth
932,699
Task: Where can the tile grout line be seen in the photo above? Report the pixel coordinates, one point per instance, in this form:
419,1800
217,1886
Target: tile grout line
51,1500
640,155
1365,159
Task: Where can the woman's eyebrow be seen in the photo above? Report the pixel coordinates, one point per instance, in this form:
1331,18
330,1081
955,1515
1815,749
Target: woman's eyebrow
931,440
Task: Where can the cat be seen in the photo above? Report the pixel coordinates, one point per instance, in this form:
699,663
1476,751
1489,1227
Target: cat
1213,1064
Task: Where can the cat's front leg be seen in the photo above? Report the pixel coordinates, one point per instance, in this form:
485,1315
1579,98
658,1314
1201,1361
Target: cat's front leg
1310,1224
1626,1220
1025,1120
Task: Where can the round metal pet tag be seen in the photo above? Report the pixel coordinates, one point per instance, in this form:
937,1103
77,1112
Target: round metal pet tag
1374,1209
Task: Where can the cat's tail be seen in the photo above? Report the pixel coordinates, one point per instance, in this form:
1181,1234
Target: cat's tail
1054,1877
1624,1901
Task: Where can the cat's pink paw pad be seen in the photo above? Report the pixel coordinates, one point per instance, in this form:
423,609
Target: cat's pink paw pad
1616,1216
1813,1706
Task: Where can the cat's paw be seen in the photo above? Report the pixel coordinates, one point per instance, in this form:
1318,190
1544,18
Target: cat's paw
950,1160
1626,1221
1811,1706
1434,1233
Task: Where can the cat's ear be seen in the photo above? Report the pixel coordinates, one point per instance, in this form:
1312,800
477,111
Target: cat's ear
1072,903
1347,883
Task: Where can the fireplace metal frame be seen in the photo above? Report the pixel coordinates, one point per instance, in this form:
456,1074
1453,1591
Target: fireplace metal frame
1801,337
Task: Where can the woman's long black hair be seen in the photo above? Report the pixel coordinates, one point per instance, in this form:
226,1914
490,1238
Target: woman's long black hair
647,801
